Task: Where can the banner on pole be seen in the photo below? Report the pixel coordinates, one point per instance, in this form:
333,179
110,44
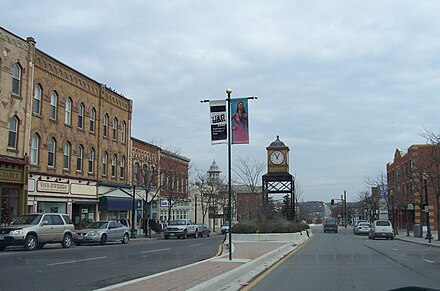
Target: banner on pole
239,121
219,130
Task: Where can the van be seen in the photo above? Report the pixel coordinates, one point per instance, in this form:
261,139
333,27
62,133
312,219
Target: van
381,228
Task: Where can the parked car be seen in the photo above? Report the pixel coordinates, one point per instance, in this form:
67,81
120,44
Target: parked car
362,228
330,225
203,230
102,232
356,224
381,228
225,227
34,230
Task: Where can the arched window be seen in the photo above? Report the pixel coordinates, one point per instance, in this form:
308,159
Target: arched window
144,175
53,106
92,119
79,158
51,150
13,132
81,116
114,164
68,113
104,164
16,79
91,160
122,167
35,145
105,125
123,130
66,155
115,128
37,99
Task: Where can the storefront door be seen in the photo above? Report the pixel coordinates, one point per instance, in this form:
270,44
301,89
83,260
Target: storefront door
9,205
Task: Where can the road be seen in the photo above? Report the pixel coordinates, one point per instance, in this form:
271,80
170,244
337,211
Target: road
89,267
343,261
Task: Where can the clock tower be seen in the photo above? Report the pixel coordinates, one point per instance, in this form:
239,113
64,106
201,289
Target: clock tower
277,157
278,180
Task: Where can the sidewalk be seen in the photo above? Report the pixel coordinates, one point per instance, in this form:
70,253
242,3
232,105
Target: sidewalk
249,258
402,235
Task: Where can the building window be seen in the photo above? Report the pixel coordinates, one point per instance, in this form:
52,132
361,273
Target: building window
51,149
66,154
136,174
122,168
16,79
79,158
123,130
37,99
68,114
105,125
35,144
53,106
114,163
115,128
91,159
13,132
92,119
104,164
81,116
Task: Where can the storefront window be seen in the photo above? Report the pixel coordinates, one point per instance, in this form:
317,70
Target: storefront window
52,207
9,205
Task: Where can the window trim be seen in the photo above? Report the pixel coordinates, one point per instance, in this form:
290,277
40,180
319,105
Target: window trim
92,119
38,99
68,112
14,132
17,78
79,158
91,161
81,113
53,107
67,155
51,144
104,164
105,128
35,148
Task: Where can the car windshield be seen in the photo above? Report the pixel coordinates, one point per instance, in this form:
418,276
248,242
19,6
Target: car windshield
98,224
27,219
330,221
178,222
383,223
364,224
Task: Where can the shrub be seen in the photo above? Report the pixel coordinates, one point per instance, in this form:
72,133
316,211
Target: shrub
273,226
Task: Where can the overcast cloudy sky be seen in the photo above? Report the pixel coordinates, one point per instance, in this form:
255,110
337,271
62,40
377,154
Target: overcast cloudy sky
343,83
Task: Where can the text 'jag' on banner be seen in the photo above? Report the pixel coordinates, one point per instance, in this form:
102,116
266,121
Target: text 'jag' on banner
219,129
239,121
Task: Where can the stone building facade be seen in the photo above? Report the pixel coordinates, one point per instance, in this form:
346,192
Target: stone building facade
16,69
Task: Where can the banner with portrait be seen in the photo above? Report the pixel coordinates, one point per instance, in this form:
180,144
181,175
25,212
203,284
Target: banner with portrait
239,121
219,130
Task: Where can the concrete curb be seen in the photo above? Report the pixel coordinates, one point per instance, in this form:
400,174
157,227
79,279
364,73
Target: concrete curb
417,242
233,279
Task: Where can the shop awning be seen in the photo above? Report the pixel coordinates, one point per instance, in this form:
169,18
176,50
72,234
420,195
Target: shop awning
115,203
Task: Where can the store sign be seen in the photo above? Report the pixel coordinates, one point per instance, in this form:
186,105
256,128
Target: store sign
54,187
10,176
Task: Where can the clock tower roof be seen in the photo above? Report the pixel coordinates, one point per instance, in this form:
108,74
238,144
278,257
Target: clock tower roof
277,143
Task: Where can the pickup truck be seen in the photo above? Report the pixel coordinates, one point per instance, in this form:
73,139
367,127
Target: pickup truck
181,228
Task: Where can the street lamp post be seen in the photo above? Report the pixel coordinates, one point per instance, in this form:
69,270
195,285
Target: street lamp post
428,230
229,91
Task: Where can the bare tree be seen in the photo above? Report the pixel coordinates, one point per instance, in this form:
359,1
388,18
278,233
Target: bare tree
249,172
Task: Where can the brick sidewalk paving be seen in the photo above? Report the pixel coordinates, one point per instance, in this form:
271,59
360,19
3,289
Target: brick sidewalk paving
192,275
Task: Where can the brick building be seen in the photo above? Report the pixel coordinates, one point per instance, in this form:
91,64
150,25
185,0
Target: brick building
406,185
16,67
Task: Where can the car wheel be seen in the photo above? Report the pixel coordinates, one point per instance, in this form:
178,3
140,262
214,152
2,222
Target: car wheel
196,233
125,239
103,239
207,234
31,242
67,241
185,235
392,237
201,234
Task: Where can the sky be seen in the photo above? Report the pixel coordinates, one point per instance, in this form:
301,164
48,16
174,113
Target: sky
343,83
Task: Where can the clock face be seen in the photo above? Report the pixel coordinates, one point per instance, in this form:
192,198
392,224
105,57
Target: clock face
277,157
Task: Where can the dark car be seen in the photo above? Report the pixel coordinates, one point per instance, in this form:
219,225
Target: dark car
330,225
203,230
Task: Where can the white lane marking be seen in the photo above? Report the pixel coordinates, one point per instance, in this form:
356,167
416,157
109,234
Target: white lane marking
76,261
153,251
196,245
395,249
432,262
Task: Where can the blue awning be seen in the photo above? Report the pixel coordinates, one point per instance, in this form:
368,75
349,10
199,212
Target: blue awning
115,203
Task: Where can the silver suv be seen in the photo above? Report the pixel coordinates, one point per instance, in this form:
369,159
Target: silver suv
37,229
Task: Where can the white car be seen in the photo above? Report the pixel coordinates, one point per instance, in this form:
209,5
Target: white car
225,227
381,228
357,224
362,228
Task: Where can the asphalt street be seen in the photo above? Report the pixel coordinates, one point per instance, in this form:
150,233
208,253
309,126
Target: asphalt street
89,267
343,261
